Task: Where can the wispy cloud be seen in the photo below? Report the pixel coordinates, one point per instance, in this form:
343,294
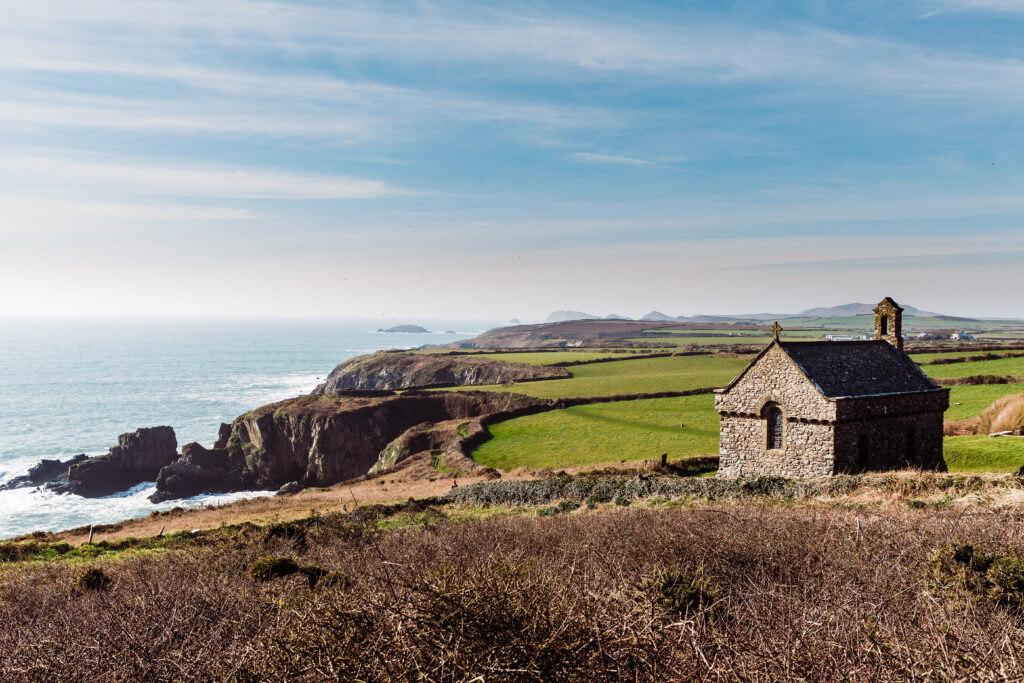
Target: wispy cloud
49,216
243,183
192,44
609,159
935,7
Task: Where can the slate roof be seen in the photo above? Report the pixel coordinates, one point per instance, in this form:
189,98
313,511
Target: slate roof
858,368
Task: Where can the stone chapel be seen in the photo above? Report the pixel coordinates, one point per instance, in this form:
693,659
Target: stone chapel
811,409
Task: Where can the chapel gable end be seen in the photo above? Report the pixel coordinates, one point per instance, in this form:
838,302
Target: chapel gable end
774,378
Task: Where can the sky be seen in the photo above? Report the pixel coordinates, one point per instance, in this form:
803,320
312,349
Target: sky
415,160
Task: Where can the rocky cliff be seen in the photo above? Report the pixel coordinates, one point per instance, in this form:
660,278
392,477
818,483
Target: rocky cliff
137,457
318,440
389,370
46,471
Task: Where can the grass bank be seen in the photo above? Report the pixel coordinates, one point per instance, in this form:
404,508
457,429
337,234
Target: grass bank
630,376
604,433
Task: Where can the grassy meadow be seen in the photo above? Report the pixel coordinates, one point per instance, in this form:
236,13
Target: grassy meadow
630,376
604,433
925,357
974,399
680,341
983,454
549,357
1002,366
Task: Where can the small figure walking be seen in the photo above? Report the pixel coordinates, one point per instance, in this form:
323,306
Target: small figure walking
455,483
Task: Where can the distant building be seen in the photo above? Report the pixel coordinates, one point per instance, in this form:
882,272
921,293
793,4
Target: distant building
803,409
961,336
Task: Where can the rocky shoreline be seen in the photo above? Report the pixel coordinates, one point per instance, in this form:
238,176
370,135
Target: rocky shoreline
138,456
313,440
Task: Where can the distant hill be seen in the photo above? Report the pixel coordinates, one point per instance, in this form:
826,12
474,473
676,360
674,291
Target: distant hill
843,310
562,316
856,309
656,316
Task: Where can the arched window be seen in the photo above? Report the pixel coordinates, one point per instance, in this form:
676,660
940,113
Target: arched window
884,324
773,426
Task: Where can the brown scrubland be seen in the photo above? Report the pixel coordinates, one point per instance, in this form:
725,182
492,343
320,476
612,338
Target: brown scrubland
747,590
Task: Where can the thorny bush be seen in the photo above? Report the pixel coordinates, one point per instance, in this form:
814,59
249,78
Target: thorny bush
719,591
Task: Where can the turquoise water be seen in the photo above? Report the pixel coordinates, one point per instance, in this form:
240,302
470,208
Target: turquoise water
71,387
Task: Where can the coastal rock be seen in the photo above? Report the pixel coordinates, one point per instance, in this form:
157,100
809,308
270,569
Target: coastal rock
290,488
201,470
390,370
319,440
43,473
137,457
223,434
407,329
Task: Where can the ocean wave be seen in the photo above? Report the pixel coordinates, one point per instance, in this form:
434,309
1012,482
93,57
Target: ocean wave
25,510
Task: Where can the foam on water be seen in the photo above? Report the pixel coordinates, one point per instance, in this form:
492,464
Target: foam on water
73,387
25,510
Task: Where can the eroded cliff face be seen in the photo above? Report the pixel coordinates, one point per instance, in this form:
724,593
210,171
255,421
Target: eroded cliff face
389,370
318,440
137,457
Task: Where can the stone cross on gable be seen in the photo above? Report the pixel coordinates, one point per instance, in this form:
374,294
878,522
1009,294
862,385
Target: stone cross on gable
776,328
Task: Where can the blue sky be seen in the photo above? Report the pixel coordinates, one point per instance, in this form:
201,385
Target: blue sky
431,159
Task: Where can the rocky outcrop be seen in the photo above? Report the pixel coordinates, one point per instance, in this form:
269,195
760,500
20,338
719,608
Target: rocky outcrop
319,440
43,473
407,329
389,370
201,470
137,457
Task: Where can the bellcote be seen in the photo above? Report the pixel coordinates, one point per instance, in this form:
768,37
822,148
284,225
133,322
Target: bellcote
889,322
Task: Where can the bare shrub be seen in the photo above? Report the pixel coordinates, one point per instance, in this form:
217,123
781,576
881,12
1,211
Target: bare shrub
961,570
270,568
1005,414
966,427
715,591
94,579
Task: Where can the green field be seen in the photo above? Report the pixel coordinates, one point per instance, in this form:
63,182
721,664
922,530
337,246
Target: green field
672,373
710,333
681,341
925,357
604,433
1000,367
636,430
974,399
744,333
548,357
983,454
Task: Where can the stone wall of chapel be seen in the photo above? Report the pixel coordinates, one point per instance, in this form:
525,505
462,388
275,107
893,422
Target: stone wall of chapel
889,444
776,378
807,449
892,405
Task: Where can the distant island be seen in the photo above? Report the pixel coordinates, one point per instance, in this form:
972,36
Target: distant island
412,329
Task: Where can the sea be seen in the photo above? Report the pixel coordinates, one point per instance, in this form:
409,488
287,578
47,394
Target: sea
72,386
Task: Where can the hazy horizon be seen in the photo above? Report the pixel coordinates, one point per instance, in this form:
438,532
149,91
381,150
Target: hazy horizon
421,160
